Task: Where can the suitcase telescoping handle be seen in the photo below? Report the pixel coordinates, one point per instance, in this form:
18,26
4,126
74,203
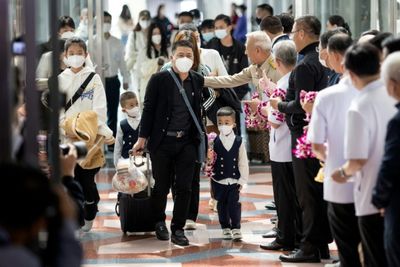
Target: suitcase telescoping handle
145,153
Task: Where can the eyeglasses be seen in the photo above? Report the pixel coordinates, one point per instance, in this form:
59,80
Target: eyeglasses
292,33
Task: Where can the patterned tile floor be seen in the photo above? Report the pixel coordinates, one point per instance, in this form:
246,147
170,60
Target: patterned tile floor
107,246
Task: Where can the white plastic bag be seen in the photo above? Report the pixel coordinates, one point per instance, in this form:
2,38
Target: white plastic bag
128,179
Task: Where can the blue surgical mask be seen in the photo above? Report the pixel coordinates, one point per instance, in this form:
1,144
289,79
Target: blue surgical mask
207,36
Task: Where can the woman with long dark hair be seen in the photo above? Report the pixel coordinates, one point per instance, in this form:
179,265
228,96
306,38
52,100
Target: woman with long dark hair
125,23
156,55
136,46
163,21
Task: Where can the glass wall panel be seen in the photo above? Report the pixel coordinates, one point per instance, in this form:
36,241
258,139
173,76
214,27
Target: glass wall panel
357,13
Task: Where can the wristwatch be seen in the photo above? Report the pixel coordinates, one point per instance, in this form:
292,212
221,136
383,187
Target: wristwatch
342,173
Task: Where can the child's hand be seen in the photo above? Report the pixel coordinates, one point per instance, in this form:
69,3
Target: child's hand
109,140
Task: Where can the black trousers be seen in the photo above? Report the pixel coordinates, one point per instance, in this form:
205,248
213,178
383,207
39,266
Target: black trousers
344,225
371,230
195,195
173,155
316,232
112,95
392,231
287,206
229,207
86,178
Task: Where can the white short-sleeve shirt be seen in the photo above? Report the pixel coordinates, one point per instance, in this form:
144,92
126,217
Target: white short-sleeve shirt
279,141
365,133
327,125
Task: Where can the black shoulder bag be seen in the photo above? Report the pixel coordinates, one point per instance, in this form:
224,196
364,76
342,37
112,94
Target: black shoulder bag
79,92
202,146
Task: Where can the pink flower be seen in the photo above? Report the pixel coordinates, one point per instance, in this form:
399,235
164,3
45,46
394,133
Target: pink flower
277,92
303,148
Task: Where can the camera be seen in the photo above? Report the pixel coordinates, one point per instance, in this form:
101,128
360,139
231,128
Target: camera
81,149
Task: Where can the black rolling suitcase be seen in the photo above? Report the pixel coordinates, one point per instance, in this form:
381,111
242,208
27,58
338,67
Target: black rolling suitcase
134,211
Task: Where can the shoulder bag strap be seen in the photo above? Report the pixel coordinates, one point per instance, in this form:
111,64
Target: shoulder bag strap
79,92
185,98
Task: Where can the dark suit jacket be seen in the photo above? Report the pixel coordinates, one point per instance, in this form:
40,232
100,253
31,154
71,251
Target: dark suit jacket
157,107
308,75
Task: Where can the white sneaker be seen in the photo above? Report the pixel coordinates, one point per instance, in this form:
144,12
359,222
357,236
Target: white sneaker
88,226
236,234
226,234
190,225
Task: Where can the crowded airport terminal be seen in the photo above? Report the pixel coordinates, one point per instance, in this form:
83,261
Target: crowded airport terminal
177,133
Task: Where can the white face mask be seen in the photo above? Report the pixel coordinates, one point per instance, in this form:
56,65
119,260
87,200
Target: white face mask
181,25
106,27
156,39
183,64
144,23
133,112
67,35
65,61
221,34
225,129
75,61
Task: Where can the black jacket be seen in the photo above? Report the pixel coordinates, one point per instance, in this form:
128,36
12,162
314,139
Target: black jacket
388,184
237,62
309,75
157,107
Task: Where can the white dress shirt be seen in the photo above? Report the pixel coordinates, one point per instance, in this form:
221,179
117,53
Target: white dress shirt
113,58
280,147
243,163
365,133
327,125
119,139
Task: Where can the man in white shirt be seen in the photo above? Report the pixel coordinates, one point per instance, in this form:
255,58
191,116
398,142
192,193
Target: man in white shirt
113,60
365,133
288,210
326,133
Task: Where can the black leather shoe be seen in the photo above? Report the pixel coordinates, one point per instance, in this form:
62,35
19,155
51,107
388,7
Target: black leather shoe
270,205
274,245
324,252
271,234
179,238
162,231
300,256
